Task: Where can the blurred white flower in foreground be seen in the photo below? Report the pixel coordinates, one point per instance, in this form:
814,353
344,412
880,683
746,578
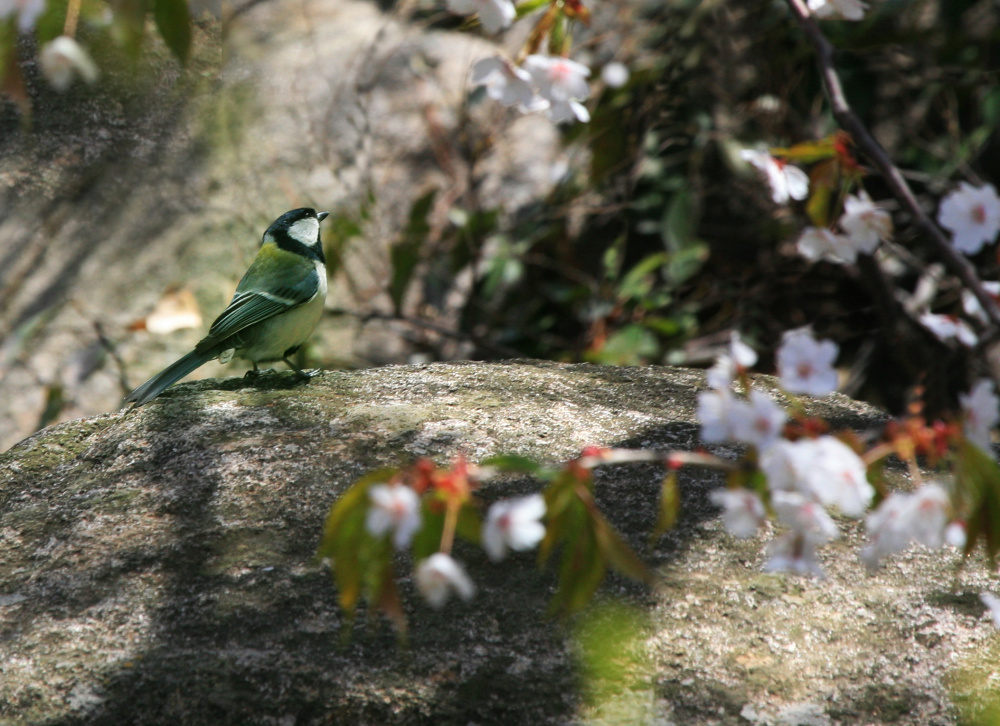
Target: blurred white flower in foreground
992,603
921,516
971,305
758,421
982,413
786,181
396,509
946,327
737,359
838,9
513,523
504,82
62,60
27,12
972,215
440,575
823,469
494,15
615,74
563,83
822,243
865,224
805,365
742,511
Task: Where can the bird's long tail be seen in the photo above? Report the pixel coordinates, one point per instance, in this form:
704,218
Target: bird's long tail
168,377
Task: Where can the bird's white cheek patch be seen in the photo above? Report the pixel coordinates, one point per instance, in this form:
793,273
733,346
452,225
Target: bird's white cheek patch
305,231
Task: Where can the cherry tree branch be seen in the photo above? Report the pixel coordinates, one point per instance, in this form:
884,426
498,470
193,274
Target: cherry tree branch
867,144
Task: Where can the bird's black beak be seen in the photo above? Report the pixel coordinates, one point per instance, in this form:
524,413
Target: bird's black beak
322,215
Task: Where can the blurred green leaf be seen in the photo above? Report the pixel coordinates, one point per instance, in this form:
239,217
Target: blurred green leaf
632,345
174,23
978,478
405,254
679,231
514,464
359,560
427,540
526,7
669,509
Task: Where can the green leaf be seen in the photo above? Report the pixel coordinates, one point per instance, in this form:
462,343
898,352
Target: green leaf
346,542
632,345
470,524
679,231
405,254
670,505
174,23
529,6
514,464
427,540
978,478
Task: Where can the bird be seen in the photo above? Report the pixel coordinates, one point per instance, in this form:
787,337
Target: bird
274,310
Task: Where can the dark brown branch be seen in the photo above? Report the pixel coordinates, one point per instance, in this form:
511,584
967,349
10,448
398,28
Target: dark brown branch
867,144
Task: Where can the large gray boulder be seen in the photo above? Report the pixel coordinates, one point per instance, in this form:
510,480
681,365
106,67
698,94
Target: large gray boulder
156,567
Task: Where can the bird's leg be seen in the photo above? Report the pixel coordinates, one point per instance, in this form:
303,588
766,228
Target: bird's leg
302,374
253,372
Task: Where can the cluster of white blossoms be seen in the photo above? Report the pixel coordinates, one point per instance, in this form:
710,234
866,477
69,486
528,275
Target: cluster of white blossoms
923,516
512,524
807,476
552,84
863,226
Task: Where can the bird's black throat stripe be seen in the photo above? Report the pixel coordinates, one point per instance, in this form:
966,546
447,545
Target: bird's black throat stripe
288,243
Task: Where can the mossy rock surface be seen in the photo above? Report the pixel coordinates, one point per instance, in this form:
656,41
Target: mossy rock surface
156,567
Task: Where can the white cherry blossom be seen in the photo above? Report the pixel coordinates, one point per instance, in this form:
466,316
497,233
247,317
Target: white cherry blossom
742,511
805,365
393,508
514,524
902,518
992,603
946,327
981,407
715,415
739,357
821,243
972,215
494,15
27,12
438,576
786,181
865,224
62,60
758,421
971,305
504,82
823,469
793,553
563,83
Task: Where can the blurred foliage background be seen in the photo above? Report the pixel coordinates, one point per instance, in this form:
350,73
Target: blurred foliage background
473,232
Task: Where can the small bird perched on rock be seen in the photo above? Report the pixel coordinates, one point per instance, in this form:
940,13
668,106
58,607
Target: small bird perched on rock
276,306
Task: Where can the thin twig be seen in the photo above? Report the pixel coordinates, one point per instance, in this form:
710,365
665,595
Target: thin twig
849,121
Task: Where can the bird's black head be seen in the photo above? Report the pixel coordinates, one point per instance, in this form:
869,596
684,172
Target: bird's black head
298,231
